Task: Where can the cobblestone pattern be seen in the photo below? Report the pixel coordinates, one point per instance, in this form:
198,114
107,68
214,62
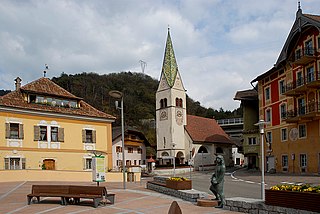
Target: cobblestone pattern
260,208
192,197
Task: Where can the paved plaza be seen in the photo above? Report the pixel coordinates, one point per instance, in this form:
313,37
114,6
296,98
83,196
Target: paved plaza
135,199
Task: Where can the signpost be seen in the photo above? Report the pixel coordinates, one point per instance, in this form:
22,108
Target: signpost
98,169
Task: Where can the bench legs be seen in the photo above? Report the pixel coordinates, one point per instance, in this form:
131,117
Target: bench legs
110,197
31,197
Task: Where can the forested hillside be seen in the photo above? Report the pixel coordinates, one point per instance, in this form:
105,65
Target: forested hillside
139,95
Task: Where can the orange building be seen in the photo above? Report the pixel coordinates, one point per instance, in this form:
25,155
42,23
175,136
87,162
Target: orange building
289,100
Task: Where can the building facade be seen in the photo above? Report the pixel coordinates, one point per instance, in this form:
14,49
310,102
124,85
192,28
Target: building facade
46,127
289,98
135,144
250,133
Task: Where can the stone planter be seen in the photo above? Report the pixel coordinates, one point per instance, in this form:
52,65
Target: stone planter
179,185
296,200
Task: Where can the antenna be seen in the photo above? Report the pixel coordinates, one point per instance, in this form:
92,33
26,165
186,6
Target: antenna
143,65
46,69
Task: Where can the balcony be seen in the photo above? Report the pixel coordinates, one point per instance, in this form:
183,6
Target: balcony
305,113
302,85
305,56
231,121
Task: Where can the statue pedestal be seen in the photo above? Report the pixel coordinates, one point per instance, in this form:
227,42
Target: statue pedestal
207,203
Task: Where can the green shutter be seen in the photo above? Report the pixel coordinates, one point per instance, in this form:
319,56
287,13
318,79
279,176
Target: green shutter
83,135
21,132
7,130
6,163
94,138
36,133
61,134
23,163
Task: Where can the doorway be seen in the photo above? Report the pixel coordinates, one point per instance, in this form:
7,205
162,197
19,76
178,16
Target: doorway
49,164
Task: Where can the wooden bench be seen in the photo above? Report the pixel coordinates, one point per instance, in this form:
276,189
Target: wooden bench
71,193
48,191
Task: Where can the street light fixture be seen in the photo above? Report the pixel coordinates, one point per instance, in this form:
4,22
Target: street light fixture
261,124
119,95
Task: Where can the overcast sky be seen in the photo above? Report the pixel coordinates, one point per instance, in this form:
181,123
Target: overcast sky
220,45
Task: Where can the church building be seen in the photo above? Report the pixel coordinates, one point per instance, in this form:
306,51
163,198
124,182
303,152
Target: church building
182,137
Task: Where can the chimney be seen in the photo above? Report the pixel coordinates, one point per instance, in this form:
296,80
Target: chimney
18,83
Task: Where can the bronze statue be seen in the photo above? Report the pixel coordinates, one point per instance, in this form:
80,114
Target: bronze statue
217,181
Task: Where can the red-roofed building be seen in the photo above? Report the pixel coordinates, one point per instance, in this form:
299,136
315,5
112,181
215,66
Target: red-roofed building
46,127
180,136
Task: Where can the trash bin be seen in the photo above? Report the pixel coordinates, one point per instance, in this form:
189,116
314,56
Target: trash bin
130,177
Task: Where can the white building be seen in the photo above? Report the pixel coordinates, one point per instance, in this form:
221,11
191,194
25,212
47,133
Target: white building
179,135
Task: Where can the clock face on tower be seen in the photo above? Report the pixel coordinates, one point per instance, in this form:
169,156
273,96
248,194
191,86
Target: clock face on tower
179,117
163,115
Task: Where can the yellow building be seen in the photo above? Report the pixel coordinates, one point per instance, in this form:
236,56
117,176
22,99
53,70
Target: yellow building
44,126
289,100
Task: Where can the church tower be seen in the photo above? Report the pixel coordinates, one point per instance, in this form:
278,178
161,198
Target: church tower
170,108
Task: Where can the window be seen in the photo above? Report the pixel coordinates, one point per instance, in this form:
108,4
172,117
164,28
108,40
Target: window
88,163
283,111
267,93
135,162
308,48
128,162
298,54
303,160
319,42
301,106
14,131
54,134
302,131
43,133
300,81
14,163
268,115
179,102
252,140
130,150
284,134
163,103
139,150
88,136
310,74
118,149
269,141
284,161
281,87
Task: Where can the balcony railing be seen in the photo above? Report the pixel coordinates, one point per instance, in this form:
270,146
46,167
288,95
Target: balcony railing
305,56
309,110
231,121
302,84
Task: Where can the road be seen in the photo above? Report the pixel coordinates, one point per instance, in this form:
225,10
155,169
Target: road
232,187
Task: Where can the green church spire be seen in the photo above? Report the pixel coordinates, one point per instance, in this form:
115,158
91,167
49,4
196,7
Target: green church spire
169,67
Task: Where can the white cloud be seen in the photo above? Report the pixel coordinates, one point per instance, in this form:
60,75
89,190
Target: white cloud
220,45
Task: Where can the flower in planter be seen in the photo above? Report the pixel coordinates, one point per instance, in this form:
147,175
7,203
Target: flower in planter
178,179
297,188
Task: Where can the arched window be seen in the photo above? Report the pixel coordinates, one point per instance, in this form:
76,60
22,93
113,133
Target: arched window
203,149
165,102
161,103
179,102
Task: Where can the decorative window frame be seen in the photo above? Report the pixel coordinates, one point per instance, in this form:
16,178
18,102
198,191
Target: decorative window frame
299,133
14,142
281,135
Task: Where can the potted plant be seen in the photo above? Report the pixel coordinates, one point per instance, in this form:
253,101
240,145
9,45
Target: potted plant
303,197
179,183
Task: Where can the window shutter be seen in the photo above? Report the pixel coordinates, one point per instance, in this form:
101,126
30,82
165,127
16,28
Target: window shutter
6,163
36,133
61,134
83,136
23,163
94,138
21,132
7,130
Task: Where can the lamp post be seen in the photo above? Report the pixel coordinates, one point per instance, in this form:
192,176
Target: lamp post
119,95
261,124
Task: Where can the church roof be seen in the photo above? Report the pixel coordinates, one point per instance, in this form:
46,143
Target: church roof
205,130
18,99
169,67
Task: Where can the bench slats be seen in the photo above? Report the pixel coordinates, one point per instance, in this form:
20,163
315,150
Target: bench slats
65,192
